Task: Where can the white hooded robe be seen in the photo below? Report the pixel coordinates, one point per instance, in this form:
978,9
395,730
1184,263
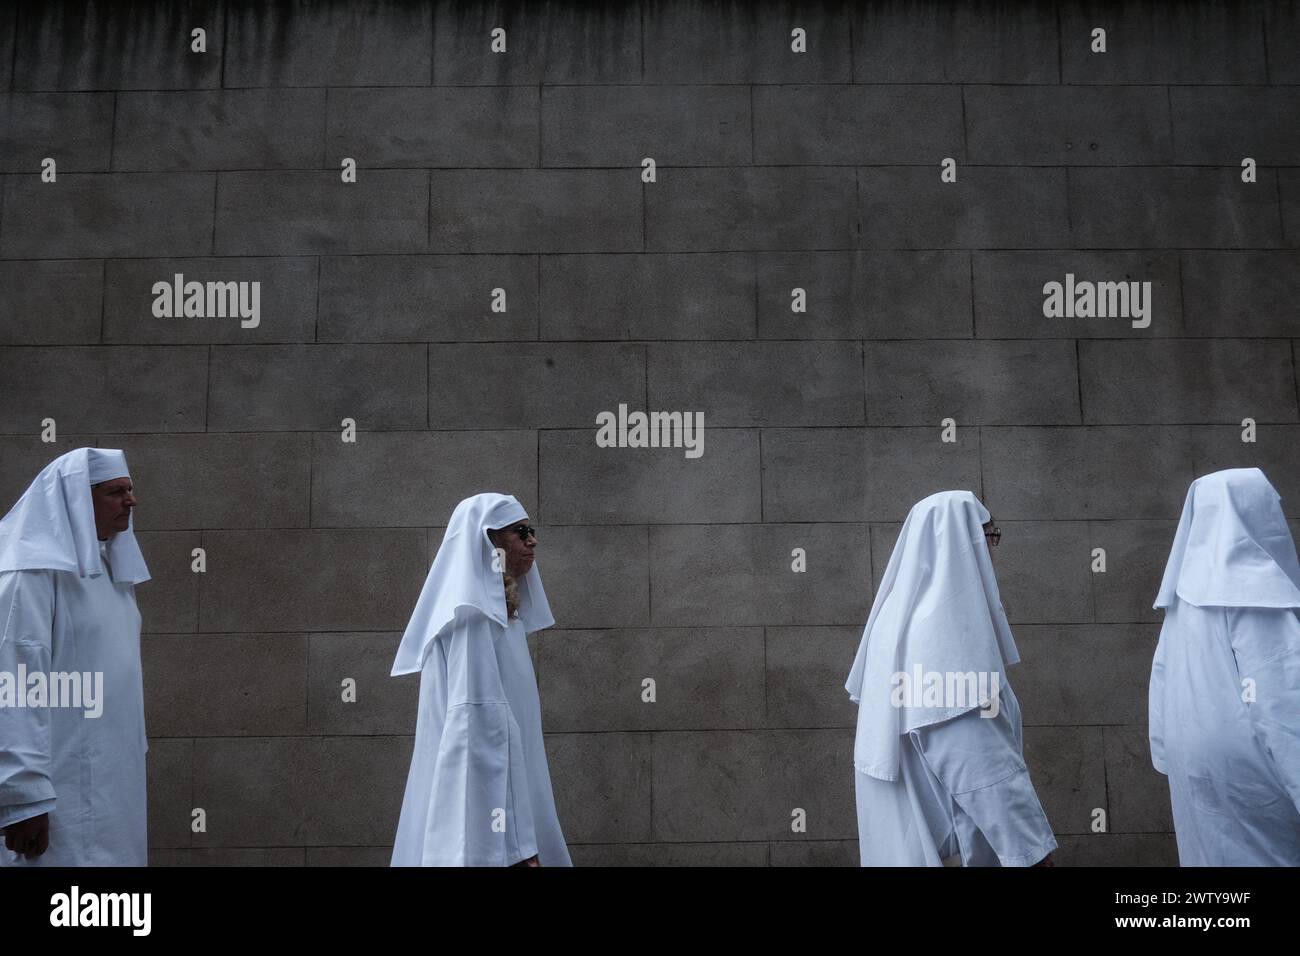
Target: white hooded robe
67,604
479,788
941,780
1225,681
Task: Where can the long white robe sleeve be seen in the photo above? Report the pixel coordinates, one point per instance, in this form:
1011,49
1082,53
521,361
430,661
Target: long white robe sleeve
980,781
26,631
478,773
1233,764
82,762
1266,645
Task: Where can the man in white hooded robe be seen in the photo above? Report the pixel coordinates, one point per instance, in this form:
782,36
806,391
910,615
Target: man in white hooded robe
72,781
1225,681
943,775
479,788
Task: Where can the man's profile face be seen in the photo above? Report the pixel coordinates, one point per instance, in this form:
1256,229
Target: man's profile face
518,549
113,501
992,535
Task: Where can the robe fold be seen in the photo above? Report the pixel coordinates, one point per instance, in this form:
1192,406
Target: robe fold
479,789
87,772
1224,699
941,780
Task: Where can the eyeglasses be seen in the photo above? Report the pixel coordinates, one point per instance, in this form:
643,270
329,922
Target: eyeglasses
994,535
524,530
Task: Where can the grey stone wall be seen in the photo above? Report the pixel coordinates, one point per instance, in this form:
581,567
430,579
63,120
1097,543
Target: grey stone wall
522,171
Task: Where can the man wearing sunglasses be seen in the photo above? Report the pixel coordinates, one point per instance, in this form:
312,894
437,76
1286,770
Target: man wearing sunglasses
479,790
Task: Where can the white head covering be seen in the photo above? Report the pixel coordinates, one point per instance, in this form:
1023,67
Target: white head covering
462,576
52,527
937,607
1233,547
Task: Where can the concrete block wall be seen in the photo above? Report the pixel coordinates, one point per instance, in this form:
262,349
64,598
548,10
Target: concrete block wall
522,171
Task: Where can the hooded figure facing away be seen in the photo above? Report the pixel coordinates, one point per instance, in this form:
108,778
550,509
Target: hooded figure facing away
938,753
479,790
72,737
1225,682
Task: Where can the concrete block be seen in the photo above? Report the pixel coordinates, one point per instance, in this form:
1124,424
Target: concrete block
1068,125
1139,795
383,704
815,853
423,475
144,46
540,44
968,43
596,576
282,213
874,295
51,301
349,855
169,772
290,580
911,208
1067,767
1172,207
107,214
1152,42
704,678
806,671
73,129
602,786
533,385
677,126
535,210
1136,554
848,125
1153,382
225,685
739,43
975,383
741,574
286,301
843,474
219,129
1009,296
169,600
751,208
1242,294
314,387
582,484
424,127
426,298
1043,570
188,482
759,383
641,296
384,44
1275,451
96,388
1117,849
1221,125
1108,472
669,854
746,785
1083,674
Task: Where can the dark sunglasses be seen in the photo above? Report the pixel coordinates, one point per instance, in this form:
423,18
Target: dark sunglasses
524,530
